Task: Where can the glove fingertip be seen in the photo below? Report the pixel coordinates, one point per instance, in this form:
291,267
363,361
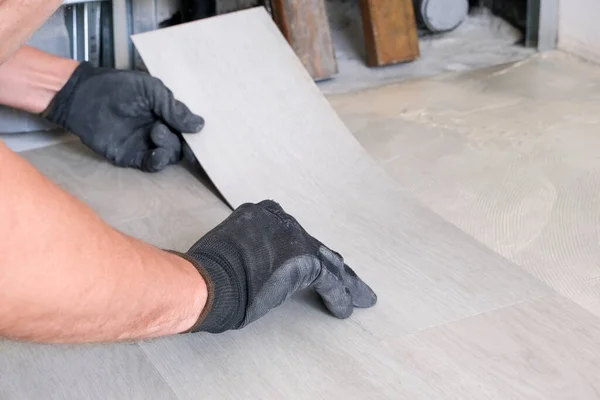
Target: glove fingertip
195,123
337,299
362,295
340,310
366,299
156,160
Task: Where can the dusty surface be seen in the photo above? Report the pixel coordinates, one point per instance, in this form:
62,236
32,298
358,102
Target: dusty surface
509,154
481,41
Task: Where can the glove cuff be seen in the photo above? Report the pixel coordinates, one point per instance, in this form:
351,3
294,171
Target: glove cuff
226,303
58,109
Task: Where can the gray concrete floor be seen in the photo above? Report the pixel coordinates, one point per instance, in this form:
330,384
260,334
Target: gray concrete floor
482,40
509,154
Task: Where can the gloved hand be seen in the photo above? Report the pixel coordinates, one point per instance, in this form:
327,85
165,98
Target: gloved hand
257,258
128,117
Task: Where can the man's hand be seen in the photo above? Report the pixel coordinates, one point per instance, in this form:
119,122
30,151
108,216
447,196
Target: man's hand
257,258
128,117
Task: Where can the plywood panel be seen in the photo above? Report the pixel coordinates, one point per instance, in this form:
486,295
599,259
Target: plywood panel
390,31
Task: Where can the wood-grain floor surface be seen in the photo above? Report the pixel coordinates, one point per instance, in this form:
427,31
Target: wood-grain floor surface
455,320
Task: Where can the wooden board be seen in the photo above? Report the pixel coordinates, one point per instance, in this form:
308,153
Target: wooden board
305,25
390,31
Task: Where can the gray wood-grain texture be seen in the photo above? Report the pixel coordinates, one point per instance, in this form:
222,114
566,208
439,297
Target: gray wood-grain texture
455,320
293,148
271,134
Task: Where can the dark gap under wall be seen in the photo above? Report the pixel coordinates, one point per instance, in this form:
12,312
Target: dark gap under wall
513,11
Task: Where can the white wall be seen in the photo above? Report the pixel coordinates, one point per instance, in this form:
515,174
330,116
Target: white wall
579,27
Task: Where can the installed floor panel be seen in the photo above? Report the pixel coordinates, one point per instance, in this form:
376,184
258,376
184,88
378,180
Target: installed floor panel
274,136
78,372
455,320
545,347
509,154
539,350
279,133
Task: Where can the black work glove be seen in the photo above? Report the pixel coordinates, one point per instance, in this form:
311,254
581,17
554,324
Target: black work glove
128,117
257,258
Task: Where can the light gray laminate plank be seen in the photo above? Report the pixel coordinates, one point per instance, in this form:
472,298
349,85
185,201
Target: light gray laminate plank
547,349
121,371
271,134
292,147
294,352
119,194
176,229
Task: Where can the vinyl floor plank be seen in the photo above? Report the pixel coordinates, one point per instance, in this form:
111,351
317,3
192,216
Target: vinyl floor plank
547,349
176,229
295,352
271,134
119,194
115,371
454,320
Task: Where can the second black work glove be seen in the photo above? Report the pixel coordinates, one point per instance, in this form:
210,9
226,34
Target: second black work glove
129,117
257,258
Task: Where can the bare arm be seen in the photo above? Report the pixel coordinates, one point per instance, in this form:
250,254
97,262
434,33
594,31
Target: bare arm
19,19
30,79
66,276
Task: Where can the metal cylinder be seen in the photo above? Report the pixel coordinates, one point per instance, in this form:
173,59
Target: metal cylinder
441,15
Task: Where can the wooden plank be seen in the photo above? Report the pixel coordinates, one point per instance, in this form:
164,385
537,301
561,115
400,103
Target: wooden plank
390,31
305,25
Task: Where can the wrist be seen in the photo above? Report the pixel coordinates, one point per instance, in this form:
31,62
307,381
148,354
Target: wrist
227,293
31,79
198,299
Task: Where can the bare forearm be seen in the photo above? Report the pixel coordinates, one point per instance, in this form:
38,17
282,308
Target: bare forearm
19,19
30,79
66,276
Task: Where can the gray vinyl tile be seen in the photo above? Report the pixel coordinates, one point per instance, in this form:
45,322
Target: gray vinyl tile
541,349
271,134
103,371
545,349
176,229
119,194
455,320
295,352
